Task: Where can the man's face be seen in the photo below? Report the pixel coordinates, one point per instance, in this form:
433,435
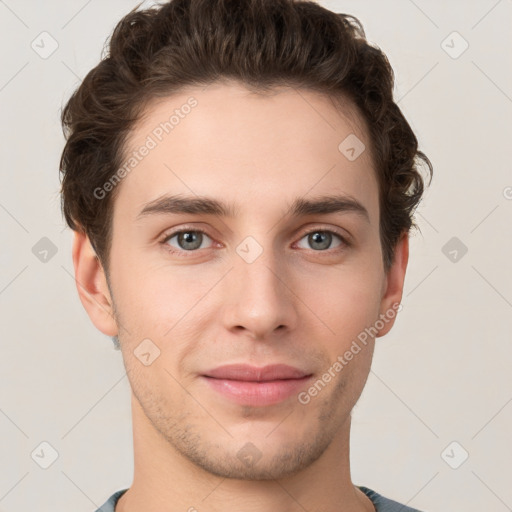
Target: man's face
256,288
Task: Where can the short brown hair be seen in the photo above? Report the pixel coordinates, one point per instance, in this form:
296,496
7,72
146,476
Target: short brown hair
260,43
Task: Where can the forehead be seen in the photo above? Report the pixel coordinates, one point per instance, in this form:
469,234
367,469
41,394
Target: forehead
236,144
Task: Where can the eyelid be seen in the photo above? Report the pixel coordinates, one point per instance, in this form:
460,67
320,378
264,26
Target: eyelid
171,234
345,238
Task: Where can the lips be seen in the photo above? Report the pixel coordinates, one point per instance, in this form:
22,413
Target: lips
257,387
244,372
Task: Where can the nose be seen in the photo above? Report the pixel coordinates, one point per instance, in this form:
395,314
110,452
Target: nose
260,301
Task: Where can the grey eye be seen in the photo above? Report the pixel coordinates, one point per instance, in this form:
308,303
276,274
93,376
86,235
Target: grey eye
188,240
321,240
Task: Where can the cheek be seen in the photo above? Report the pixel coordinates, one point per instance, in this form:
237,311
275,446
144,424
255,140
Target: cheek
346,300
158,295
160,299
166,305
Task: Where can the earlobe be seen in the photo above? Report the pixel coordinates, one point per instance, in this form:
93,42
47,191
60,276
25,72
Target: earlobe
92,285
394,285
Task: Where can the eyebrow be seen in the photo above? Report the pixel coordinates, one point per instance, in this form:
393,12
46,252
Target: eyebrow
196,205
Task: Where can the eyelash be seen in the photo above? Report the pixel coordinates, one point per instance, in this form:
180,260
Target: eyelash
344,242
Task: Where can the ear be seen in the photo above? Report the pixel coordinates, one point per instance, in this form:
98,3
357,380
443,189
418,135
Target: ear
394,285
92,285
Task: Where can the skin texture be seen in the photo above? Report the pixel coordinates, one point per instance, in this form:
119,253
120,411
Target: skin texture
296,303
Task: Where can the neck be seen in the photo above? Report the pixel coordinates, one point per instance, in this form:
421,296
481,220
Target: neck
166,481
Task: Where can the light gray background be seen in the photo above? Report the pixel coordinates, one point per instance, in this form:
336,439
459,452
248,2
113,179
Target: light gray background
441,375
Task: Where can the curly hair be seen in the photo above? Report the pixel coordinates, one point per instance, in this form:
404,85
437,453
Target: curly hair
262,44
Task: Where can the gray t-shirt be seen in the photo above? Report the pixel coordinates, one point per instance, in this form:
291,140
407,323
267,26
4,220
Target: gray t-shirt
381,504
